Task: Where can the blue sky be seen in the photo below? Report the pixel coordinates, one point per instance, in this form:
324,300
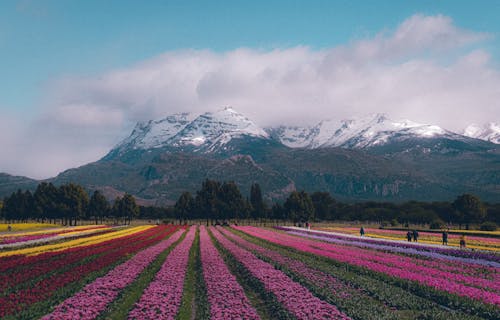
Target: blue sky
75,76
43,40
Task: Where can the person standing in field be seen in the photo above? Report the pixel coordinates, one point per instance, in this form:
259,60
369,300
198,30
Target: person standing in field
408,235
415,235
445,238
362,231
462,241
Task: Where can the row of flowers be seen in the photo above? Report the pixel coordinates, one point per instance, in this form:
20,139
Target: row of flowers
26,227
476,241
437,265
465,267
94,297
293,296
33,240
394,265
162,298
225,295
359,295
468,256
74,243
22,237
104,257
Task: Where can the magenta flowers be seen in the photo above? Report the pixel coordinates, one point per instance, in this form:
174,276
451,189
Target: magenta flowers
297,299
391,264
162,298
226,297
93,299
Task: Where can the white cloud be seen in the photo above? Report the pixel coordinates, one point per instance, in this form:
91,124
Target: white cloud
427,70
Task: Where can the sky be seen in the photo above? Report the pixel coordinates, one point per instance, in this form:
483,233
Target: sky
75,76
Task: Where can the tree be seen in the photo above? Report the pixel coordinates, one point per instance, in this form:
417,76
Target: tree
126,207
230,202
259,209
324,205
73,202
184,206
98,206
19,206
470,209
299,206
206,200
46,201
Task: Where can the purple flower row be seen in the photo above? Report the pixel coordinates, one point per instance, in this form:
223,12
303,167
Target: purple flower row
478,257
393,265
432,267
93,298
162,298
225,295
294,297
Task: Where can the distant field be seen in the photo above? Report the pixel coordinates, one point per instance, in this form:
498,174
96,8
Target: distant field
480,240
243,272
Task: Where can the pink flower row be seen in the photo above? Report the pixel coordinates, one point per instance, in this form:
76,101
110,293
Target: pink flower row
461,272
317,277
93,298
226,297
294,297
162,298
396,266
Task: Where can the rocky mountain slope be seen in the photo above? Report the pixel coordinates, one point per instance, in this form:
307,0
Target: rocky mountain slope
370,158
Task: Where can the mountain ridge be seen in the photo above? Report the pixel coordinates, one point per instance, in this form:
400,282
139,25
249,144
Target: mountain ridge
369,158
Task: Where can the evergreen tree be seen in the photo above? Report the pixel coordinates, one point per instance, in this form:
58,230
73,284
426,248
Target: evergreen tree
207,200
231,203
98,207
324,205
470,209
46,201
299,206
73,202
259,209
184,207
126,208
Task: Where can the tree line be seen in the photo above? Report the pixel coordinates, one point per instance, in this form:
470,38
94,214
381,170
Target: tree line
67,203
219,201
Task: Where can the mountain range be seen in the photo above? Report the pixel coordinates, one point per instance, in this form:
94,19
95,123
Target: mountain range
367,158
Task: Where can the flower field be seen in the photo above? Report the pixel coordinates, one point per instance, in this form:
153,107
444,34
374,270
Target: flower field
243,272
478,240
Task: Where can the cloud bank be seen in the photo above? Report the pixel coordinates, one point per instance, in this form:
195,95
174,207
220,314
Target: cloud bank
427,70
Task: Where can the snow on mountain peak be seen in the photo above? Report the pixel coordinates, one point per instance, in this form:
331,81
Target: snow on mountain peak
154,133
371,130
217,128
206,131
488,132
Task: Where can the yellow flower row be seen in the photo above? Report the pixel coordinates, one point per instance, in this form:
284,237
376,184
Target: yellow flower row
25,226
53,229
74,243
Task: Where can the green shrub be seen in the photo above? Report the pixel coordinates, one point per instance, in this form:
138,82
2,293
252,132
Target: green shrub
488,226
436,224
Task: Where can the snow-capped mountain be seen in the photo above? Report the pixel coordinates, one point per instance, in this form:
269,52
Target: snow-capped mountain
154,133
206,132
488,132
358,133
213,132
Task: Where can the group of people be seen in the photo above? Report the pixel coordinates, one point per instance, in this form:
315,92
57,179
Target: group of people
445,239
412,235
